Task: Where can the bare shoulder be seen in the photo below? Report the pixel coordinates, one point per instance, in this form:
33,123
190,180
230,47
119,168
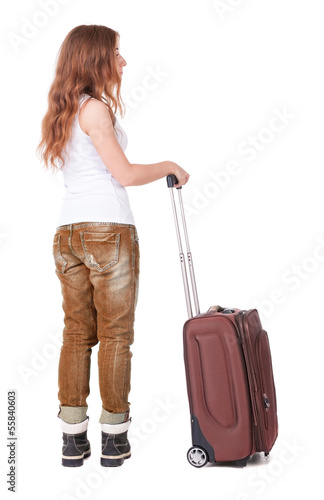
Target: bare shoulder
94,115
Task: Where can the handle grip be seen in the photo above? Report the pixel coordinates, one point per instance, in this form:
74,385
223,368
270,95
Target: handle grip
172,180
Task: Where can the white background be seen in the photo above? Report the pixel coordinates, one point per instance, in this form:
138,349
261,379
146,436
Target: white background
226,70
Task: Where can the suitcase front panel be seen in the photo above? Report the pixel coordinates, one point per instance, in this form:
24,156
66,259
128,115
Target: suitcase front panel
217,377
217,386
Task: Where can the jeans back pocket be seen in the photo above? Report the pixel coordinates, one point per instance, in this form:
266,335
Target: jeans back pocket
101,250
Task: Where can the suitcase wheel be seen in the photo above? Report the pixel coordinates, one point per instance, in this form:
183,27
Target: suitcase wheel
197,456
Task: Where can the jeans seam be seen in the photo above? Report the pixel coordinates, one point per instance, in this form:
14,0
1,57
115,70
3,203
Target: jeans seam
64,261
133,249
70,242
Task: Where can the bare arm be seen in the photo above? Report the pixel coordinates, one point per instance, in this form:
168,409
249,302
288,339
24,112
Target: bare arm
95,121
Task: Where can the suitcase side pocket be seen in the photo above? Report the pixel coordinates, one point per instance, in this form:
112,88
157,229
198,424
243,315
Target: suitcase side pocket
267,391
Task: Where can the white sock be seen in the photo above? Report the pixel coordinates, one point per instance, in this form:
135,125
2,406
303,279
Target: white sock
116,428
74,428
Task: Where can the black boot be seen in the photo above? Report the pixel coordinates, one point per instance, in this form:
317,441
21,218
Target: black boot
114,444
76,446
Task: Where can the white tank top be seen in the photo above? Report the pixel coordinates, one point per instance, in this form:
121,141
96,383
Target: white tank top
92,194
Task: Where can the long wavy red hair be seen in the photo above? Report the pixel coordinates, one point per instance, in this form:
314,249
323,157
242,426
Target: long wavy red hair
86,63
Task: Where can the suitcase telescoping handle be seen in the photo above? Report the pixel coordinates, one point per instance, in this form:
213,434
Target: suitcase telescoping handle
171,180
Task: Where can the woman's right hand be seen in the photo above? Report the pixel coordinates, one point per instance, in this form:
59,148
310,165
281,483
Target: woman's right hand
180,173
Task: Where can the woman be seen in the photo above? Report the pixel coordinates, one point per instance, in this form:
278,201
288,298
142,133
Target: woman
95,246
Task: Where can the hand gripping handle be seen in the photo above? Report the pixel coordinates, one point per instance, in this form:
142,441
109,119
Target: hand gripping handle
171,180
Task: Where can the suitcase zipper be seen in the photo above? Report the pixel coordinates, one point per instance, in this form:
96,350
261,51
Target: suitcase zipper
250,373
265,399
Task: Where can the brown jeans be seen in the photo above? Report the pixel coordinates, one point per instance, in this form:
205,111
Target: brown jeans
98,267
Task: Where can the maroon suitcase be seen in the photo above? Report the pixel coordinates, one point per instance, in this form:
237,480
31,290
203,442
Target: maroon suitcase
230,385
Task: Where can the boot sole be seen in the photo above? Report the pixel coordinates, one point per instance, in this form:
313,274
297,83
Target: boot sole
75,461
111,461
